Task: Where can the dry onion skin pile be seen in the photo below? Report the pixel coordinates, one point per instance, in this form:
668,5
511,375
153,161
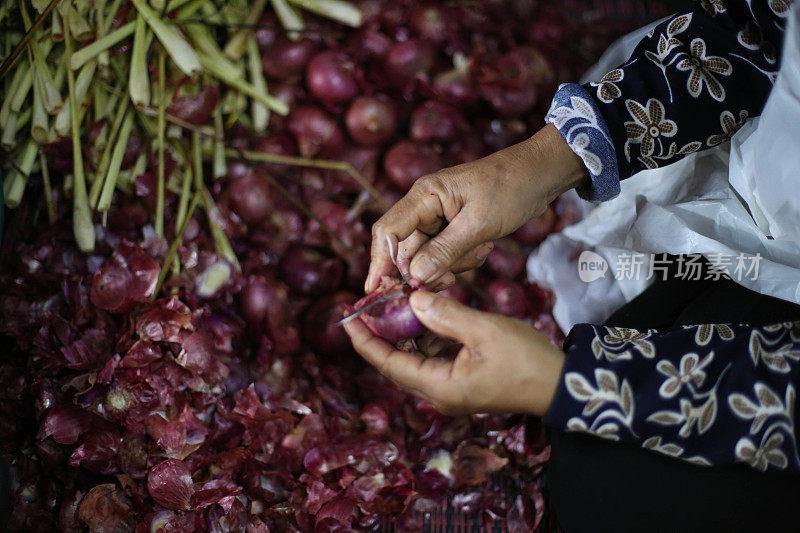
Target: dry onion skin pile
190,189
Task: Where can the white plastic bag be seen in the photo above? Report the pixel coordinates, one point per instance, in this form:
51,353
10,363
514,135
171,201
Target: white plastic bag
701,204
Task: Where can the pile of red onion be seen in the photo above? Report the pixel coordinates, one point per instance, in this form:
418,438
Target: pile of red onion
230,400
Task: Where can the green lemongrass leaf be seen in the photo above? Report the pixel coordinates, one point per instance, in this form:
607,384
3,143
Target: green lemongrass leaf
109,20
243,86
139,79
180,51
110,182
172,253
220,166
161,127
290,18
19,178
260,111
82,225
48,189
104,43
337,10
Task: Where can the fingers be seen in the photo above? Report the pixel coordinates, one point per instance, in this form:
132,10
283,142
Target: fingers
451,319
462,235
421,209
411,371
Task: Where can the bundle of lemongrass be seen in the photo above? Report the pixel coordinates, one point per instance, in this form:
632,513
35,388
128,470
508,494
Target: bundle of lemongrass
73,64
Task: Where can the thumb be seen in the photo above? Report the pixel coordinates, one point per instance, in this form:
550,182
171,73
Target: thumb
449,318
434,258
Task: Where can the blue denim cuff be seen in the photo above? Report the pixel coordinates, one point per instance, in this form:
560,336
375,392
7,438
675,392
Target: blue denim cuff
579,121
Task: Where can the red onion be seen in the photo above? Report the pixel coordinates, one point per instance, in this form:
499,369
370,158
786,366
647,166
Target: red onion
308,271
261,296
314,130
170,484
506,297
407,60
407,161
537,229
369,43
287,59
436,121
507,259
393,320
456,86
430,21
371,120
195,109
251,197
330,77
458,293
320,326
500,134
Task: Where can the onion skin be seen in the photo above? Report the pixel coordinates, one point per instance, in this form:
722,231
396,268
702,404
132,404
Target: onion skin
170,484
393,320
196,109
330,77
371,120
407,161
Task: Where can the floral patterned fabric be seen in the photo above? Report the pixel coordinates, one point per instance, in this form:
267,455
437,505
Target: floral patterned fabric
688,86
709,394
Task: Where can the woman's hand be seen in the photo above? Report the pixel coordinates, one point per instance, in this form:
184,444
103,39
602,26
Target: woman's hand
448,220
504,364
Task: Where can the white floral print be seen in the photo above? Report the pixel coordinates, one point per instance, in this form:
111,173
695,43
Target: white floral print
607,89
648,125
705,333
616,344
713,7
768,453
690,371
702,69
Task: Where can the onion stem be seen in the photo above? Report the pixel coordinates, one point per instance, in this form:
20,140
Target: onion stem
236,44
260,111
176,44
139,80
220,167
48,189
104,43
105,159
337,10
342,166
183,200
81,215
161,127
116,162
172,253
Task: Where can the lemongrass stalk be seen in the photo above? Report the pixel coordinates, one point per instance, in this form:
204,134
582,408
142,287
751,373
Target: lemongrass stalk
158,5
23,119
172,5
162,104
56,27
19,179
81,215
219,166
237,44
172,252
18,92
112,11
82,84
337,10
206,44
139,79
112,174
289,18
259,110
78,26
187,12
8,139
40,128
51,97
178,47
241,85
92,50
48,189
105,159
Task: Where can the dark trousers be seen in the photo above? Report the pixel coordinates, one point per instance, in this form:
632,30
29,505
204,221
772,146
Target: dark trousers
598,485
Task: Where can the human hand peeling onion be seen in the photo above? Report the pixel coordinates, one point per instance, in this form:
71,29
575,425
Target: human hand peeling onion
445,225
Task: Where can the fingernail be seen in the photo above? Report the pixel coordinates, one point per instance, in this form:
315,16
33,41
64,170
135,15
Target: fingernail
421,300
423,268
484,251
